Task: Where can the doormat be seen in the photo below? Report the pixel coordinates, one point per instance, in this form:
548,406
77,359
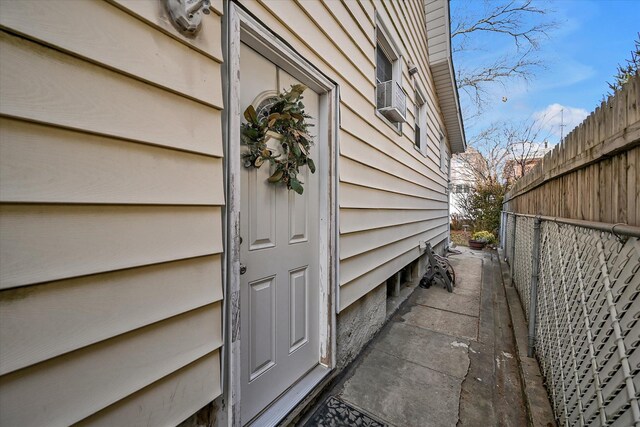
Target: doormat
337,413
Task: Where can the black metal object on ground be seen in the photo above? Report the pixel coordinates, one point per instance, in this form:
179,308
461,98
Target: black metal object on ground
437,269
337,413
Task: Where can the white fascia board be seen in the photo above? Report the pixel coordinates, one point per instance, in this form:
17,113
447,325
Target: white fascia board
441,65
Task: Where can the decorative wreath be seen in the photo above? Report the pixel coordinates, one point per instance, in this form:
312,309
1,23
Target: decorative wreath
283,119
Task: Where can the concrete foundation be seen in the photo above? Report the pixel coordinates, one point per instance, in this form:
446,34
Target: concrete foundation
361,320
358,323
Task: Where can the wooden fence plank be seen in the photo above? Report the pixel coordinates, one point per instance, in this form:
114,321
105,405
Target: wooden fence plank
593,174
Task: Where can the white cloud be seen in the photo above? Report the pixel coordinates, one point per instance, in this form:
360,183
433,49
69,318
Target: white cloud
555,115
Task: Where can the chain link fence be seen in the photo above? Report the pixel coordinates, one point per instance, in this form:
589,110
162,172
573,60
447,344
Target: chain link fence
583,284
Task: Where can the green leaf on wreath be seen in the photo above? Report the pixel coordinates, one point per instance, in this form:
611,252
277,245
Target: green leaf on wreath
295,186
286,117
277,176
312,166
250,115
296,149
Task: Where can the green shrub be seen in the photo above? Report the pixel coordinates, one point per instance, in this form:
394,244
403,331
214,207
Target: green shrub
482,206
484,236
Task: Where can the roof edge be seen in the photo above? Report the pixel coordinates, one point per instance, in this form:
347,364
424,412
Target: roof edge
443,71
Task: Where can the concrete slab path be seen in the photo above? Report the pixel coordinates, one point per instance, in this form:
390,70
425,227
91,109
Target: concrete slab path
444,359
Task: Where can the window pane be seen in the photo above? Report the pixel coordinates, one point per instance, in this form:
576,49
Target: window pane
384,68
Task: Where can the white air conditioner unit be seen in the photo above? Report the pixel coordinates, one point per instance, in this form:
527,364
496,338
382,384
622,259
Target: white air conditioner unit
391,101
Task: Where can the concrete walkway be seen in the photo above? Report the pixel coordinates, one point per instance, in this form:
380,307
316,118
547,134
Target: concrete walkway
444,359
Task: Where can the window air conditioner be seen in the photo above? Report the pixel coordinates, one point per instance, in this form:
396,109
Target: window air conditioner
391,101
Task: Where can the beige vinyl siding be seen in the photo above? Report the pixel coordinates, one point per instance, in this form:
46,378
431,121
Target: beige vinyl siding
75,94
368,176
103,37
111,185
192,383
391,196
353,220
360,18
343,16
42,164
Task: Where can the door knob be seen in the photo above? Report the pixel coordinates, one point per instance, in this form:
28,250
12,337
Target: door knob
243,268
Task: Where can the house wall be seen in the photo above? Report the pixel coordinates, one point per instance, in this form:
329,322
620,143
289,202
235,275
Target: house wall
111,234
112,195
391,196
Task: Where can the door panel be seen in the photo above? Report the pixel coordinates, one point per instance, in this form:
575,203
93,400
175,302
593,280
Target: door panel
279,293
298,214
262,209
298,309
262,326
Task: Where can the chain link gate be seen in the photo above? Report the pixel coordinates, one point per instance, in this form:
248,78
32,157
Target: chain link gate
587,314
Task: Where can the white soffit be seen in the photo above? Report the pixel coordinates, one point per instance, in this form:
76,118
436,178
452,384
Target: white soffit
441,65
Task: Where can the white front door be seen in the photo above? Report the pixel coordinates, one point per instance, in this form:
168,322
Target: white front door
279,296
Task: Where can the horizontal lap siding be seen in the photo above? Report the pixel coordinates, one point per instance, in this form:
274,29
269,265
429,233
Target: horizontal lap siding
43,164
90,379
193,384
41,243
391,196
60,90
111,185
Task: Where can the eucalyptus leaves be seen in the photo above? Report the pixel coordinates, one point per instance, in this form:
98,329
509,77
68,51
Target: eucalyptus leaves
283,119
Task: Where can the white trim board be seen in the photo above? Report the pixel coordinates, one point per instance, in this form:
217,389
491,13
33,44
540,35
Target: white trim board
241,27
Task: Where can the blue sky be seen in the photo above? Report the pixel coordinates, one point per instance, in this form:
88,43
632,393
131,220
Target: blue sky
580,55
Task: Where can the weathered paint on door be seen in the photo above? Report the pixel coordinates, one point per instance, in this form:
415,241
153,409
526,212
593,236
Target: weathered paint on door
280,289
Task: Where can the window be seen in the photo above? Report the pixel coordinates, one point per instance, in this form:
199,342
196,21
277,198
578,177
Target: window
460,188
420,140
391,100
384,66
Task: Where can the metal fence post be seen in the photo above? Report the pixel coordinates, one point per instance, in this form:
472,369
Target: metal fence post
503,227
533,297
513,245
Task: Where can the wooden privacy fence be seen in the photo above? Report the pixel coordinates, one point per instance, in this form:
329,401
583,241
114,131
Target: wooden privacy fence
593,175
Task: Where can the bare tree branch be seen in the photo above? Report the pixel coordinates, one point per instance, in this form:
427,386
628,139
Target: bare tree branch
474,82
523,21
502,152
509,19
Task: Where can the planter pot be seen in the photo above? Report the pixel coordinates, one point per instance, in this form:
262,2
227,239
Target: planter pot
477,244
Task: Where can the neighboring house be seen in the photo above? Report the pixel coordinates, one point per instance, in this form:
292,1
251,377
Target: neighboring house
463,178
144,272
523,160
502,164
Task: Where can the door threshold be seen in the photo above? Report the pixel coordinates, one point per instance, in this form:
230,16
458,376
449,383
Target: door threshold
291,398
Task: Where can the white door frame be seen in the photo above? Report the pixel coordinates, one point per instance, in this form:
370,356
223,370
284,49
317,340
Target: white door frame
240,27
